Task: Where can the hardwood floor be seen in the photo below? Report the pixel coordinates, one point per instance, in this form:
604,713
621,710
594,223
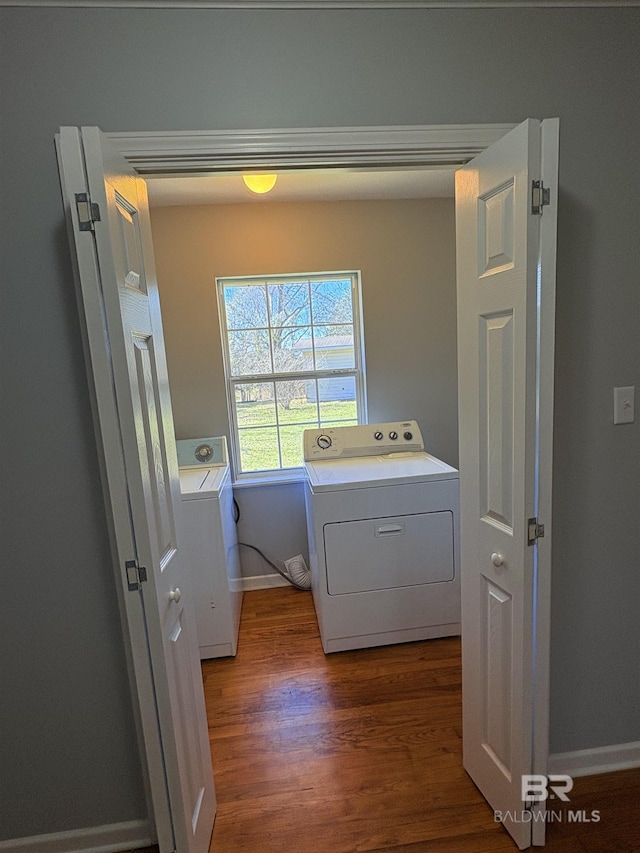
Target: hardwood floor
361,751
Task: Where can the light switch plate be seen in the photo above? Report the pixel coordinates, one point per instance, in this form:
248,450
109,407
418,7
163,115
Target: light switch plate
624,405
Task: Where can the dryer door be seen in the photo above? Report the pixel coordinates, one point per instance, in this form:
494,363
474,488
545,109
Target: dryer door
389,552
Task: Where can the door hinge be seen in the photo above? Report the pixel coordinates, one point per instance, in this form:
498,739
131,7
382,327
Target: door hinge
535,531
88,212
135,574
540,196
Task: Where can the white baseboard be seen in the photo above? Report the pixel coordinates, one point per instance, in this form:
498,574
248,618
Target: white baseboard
263,582
94,839
602,759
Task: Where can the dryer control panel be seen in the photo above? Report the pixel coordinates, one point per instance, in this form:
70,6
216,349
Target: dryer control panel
363,440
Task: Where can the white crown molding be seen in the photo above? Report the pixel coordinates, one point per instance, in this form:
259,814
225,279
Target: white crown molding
323,4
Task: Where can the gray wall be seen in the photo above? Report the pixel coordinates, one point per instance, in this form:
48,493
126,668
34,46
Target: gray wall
405,250
69,757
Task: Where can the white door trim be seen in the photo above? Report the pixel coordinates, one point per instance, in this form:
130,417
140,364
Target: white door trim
550,131
195,152
114,481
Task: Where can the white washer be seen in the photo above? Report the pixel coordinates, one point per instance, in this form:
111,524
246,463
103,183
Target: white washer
210,544
383,527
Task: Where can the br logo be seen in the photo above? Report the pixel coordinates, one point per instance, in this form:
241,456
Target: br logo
540,787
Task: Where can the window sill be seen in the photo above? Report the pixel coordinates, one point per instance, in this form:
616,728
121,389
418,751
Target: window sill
269,478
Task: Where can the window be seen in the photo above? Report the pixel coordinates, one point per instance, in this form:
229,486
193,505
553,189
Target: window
293,361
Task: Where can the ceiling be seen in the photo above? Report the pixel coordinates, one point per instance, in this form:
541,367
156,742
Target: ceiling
304,185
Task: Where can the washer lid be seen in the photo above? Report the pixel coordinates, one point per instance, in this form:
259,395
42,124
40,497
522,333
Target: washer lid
202,482
366,472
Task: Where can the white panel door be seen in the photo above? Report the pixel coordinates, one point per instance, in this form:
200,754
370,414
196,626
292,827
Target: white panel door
125,345
498,254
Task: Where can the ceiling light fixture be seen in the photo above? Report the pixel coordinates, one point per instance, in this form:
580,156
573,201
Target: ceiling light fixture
260,183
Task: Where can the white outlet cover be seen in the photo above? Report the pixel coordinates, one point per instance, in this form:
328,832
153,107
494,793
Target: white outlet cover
624,405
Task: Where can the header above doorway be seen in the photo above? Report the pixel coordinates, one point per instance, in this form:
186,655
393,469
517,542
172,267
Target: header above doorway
318,4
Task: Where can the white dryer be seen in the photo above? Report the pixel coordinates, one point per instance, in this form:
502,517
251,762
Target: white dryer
209,543
383,527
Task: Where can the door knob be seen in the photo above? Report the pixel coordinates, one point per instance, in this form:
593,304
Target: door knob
175,594
497,560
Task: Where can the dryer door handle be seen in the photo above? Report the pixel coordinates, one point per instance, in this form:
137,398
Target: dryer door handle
389,529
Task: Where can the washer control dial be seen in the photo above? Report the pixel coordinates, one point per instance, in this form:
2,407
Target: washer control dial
204,452
393,435
378,436
324,441
408,435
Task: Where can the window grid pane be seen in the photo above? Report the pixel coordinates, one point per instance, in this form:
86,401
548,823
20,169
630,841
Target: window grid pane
299,371
245,308
259,449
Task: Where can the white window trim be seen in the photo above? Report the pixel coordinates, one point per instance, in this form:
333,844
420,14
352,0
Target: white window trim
287,475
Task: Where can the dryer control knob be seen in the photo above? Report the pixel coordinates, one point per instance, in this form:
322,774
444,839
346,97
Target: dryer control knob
324,442
408,435
393,435
378,436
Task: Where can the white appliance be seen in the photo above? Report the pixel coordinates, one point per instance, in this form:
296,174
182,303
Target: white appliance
383,527
209,543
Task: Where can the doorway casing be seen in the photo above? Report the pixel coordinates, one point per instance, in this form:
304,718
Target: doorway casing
192,153
198,152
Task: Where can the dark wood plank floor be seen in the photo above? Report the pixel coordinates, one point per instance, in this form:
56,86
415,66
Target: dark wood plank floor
361,751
